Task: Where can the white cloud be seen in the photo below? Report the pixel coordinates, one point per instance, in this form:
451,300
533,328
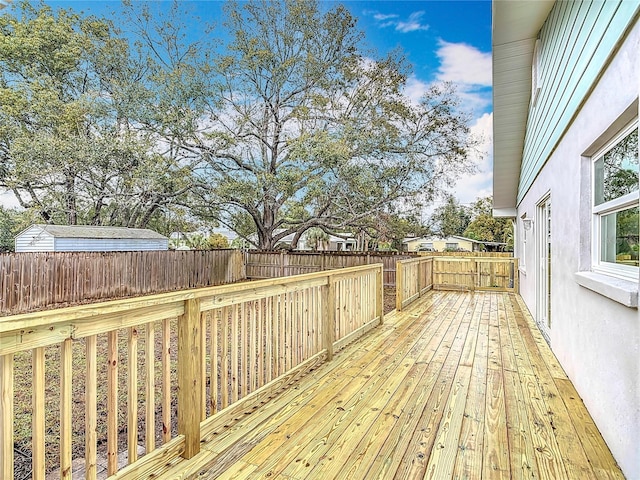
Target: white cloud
462,63
381,16
480,184
470,70
410,24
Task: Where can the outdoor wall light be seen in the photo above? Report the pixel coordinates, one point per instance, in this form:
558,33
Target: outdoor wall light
527,223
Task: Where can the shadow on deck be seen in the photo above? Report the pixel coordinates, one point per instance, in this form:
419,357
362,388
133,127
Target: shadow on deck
459,385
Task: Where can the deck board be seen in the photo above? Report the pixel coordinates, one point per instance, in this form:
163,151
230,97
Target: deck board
459,385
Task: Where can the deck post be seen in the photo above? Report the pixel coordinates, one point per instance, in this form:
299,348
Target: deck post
329,317
190,377
380,293
516,275
399,286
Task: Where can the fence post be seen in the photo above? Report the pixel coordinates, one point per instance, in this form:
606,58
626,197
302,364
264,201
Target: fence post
329,317
190,377
281,263
380,293
399,285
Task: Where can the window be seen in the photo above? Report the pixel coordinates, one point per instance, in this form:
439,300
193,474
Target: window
616,217
451,246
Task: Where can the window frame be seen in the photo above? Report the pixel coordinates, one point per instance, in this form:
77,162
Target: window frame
624,202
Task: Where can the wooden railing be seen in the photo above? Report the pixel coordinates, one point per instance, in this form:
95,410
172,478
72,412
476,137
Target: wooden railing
194,359
454,273
413,278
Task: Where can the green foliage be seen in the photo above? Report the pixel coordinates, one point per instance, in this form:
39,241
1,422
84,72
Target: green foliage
485,226
451,218
217,240
317,239
320,136
289,126
70,114
8,230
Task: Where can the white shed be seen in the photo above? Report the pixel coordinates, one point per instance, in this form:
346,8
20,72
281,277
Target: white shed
80,238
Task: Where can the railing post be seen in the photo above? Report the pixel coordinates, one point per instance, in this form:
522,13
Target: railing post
399,286
516,275
380,293
329,317
190,377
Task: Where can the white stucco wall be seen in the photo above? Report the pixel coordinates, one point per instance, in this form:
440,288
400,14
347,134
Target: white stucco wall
596,339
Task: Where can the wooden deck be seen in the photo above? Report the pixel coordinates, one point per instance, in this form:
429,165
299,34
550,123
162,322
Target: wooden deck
459,385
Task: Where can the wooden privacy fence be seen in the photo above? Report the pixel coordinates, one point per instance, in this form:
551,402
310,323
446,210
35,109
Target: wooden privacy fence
467,254
454,273
203,353
34,281
272,264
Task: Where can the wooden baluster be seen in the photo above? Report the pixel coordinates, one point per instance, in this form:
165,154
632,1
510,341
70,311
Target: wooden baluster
38,417
6,416
91,404
132,395
150,389
66,415
112,402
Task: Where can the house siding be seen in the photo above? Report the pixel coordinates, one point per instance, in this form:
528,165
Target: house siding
596,339
108,245
576,41
33,239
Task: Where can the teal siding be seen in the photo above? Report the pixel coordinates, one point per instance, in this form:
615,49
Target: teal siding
575,41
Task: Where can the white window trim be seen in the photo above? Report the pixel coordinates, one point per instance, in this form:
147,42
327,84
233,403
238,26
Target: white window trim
631,199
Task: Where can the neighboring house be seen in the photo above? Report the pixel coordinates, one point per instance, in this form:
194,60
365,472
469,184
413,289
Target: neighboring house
64,238
566,79
335,244
455,242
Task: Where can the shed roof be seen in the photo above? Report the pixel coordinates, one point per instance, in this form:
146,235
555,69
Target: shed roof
83,231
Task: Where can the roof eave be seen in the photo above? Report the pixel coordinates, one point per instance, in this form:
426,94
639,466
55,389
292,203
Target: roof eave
515,28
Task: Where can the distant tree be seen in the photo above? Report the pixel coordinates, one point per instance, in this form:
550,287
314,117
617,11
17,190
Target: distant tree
305,131
317,239
217,240
8,229
450,218
484,226
12,222
71,148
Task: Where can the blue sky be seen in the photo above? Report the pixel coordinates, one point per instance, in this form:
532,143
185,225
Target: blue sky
446,40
